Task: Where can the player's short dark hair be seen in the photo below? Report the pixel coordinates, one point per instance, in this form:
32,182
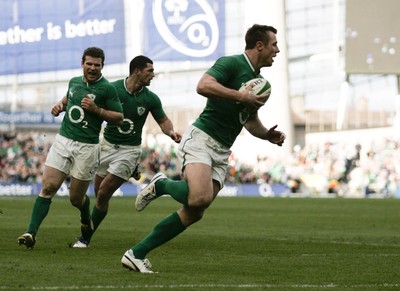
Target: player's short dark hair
94,52
139,62
257,33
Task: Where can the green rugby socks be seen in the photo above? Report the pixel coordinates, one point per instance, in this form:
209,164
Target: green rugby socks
179,190
39,212
85,211
97,217
165,230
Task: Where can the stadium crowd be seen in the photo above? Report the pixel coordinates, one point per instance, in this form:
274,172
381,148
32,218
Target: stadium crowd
327,168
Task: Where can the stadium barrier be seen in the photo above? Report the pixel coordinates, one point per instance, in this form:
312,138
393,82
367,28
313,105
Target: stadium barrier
128,189
229,190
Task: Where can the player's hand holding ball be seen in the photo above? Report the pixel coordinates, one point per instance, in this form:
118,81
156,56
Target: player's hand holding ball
259,87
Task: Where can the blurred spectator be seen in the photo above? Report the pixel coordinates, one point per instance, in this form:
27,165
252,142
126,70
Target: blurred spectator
22,157
329,168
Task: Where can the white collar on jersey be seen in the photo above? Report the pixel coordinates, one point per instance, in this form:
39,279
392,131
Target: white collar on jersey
248,61
87,83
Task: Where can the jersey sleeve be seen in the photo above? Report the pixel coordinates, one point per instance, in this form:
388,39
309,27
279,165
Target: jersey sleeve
223,69
156,110
112,101
69,87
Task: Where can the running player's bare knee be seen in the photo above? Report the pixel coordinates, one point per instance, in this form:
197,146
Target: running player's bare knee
200,200
76,202
102,202
49,190
192,215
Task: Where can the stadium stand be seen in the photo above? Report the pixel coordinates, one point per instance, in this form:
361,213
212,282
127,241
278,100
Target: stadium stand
330,168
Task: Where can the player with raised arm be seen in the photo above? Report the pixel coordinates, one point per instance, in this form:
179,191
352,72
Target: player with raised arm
205,146
90,99
120,149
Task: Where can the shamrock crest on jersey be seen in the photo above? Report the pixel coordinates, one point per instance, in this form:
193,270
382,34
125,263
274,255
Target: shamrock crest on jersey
141,110
91,96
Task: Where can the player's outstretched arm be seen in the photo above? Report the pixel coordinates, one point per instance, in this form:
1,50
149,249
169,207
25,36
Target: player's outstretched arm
257,129
275,136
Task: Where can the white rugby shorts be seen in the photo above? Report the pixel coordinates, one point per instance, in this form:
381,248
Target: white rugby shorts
198,147
119,160
74,158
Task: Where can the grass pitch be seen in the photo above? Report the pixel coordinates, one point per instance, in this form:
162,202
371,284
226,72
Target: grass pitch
241,243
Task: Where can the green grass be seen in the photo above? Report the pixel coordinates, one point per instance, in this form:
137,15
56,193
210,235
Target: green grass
241,243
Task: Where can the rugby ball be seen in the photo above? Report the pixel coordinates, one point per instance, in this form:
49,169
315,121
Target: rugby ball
260,86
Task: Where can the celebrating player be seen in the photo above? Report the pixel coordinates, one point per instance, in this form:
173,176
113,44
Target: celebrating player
90,99
120,149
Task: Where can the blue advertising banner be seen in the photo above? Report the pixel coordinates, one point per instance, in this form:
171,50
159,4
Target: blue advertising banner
229,190
128,189
39,118
51,35
184,30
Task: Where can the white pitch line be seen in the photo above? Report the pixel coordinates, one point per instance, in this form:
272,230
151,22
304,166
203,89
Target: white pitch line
334,242
340,255
207,286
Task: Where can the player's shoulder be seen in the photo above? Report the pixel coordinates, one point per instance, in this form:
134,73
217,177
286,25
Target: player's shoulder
150,98
104,82
228,67
150,93
119,87
229,63
117,83
76,79
231,59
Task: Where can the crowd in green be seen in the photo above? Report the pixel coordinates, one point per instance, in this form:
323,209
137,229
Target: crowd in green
329,167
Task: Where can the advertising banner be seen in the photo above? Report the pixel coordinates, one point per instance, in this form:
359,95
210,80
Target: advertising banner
184,30
51,35
229,190
128,189
39,118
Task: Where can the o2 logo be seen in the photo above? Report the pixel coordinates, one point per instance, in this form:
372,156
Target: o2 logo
188,26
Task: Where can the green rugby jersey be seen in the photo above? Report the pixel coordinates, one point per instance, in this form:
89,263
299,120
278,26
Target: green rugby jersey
79,124
136,108
223,119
